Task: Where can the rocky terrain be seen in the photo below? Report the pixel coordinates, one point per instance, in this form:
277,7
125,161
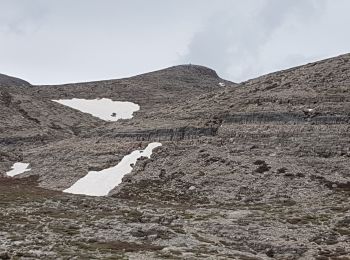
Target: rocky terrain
256,170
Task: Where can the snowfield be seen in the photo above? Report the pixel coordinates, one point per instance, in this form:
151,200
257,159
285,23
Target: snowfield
18,168
102,182
105,109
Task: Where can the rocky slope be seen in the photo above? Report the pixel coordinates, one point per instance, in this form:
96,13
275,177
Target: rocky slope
8,81
257,170
33,126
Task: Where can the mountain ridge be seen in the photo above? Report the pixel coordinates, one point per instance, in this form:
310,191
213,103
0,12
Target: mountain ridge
256,170
6,80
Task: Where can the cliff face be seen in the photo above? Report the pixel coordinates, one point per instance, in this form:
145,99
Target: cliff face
248,171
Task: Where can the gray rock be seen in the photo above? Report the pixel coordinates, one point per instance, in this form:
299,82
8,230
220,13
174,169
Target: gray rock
273,175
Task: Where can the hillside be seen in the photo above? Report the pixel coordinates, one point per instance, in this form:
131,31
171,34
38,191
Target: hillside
257,170
6,81
38,128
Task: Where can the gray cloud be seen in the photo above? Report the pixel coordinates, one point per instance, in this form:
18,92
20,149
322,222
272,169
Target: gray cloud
232,41
61,41
20,17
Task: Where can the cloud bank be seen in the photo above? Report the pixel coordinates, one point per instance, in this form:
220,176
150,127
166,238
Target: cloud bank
234,41
60,41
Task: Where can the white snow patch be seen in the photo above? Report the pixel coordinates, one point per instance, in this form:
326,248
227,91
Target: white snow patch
18,168
104,108
102,182
222,84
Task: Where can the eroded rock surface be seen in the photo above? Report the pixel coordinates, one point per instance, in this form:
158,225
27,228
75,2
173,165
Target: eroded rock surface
257,170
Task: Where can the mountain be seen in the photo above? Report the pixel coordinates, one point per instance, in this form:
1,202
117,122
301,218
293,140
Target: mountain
39,125
256,170
6,80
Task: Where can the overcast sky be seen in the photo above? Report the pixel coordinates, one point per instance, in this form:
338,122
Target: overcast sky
60,41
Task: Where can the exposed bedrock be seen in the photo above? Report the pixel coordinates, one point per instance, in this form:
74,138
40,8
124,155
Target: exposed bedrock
175,134
286,118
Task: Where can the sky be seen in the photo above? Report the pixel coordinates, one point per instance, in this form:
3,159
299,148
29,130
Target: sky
62,41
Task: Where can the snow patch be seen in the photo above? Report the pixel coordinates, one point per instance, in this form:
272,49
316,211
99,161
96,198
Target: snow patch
104,108
102,182
221,84
18,168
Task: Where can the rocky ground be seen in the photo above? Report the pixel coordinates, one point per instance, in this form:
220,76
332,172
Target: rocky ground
38,223
257,170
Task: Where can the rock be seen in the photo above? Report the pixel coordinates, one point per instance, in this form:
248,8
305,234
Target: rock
4,256
270,252
266,170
